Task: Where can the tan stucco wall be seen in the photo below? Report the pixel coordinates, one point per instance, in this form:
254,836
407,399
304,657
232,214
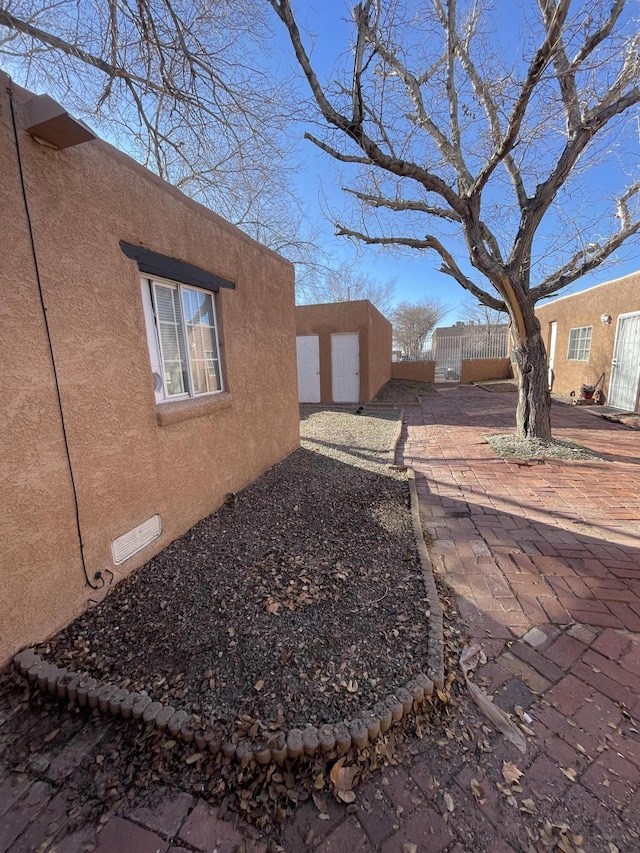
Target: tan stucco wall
127,467
480,369
420,371
380,344
616,297
374,333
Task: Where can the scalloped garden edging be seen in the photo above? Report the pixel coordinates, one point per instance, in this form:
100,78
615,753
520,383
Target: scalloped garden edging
329,739
107,698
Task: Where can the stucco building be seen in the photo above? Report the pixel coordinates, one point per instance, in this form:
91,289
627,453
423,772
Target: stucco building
148,362
594,336
344,352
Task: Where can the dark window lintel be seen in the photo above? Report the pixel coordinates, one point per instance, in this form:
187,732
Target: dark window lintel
154,264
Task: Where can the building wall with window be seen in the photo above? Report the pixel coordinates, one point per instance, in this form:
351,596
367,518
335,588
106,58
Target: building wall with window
159,424
374,340
587,325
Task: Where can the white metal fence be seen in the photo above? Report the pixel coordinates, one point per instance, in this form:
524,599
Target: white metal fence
449,352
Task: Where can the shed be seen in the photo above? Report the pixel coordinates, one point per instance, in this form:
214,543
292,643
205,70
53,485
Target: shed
343,352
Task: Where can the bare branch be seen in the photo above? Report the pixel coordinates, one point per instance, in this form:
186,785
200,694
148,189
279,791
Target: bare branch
403,204
337,155
534,74
361,18
547,190
412,323
594,40
452,94
113,71
449,266
593,255
411,242
401,168
630,73
451,152
399,204
564,72
346,283
622,206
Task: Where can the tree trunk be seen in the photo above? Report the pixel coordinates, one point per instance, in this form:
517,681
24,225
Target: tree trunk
533,415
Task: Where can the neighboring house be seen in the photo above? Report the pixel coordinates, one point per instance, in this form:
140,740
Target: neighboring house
344,352
594,336
148,365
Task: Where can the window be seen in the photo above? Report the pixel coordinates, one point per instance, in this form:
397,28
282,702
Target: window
183,339
579,344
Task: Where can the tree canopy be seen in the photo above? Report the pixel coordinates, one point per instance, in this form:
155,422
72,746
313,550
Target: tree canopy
346,283
452,126
413,322
183,85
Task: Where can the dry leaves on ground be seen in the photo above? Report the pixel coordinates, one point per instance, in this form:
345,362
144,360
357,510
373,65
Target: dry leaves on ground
301,600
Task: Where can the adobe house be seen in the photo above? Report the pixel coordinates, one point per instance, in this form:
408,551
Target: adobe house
148,365
595,335
343,352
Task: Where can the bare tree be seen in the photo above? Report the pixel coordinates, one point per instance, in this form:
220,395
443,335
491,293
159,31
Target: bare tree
413,322
346,284
477,314
485,320
447,130
186,87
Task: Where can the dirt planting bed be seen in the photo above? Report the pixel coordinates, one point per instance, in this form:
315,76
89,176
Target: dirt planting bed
299,601
404,392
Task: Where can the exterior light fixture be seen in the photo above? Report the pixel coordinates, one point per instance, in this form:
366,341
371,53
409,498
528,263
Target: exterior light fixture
50,123
605,319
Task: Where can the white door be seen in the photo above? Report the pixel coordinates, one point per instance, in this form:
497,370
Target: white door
553,336
345,368
625,367
308,352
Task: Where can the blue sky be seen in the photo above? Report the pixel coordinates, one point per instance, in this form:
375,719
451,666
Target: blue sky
328,29
327,26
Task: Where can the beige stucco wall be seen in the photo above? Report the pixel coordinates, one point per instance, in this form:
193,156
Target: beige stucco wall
480,369
374,333
380,345
615,297
420,371
127,466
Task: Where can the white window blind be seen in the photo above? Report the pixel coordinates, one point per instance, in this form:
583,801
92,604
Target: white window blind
186,336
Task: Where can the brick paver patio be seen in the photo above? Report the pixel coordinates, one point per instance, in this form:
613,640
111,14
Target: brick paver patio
528,542
545,562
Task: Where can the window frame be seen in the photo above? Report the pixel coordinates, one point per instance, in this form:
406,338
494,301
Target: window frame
155,344
581,344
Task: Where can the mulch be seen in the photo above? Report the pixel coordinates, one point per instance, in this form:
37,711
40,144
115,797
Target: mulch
498,386
301,600
402,392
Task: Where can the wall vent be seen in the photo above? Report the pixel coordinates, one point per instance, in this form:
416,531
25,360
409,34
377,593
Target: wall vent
135,540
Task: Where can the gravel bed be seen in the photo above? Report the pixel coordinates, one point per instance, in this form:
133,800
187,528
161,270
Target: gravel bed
510,446
402,392
498,386
300,600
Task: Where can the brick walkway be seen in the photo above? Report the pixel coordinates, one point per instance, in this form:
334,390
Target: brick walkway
528,542
545,562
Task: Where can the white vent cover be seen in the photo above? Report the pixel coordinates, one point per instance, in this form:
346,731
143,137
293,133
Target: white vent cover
130,543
